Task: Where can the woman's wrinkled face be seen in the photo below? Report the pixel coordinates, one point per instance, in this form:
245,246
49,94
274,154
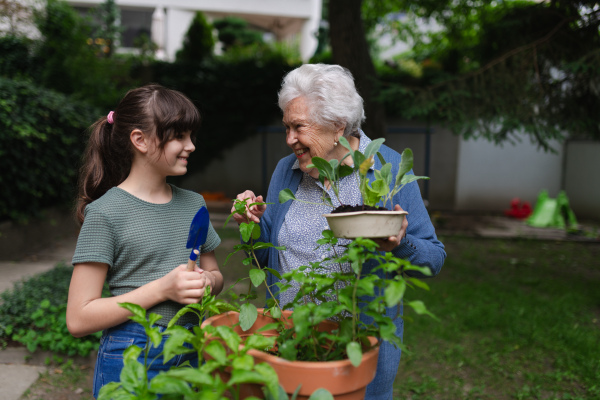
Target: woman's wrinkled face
308,139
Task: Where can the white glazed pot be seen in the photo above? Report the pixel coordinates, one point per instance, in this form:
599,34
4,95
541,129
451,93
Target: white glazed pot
367,224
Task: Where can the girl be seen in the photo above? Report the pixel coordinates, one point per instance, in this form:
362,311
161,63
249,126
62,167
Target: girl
135,227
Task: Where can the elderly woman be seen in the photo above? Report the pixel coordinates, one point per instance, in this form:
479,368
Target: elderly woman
320,104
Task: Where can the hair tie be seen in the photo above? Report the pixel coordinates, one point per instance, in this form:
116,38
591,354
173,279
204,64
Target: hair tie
109,117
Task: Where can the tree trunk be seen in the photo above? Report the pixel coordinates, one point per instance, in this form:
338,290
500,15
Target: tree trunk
350,49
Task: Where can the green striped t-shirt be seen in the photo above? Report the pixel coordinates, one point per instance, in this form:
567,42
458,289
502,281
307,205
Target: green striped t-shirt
141,241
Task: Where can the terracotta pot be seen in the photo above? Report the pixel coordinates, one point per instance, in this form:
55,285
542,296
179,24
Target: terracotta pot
340,378
367,224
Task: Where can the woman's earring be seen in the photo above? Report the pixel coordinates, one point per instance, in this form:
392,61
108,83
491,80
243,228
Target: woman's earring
335,143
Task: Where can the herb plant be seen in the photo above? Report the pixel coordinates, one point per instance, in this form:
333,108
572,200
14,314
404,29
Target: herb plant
342,297
250,232
380,190
218,350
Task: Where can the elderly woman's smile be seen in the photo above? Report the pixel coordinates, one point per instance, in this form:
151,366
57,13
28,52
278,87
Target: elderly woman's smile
309,139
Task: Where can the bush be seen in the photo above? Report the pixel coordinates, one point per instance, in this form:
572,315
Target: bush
235,93
34,313
15,57
40,147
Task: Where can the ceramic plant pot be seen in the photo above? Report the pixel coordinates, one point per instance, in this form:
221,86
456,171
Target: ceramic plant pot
367,224
340,378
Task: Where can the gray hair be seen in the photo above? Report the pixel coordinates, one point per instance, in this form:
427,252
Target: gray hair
330,93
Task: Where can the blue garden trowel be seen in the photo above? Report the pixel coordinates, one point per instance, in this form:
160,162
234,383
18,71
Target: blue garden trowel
197,235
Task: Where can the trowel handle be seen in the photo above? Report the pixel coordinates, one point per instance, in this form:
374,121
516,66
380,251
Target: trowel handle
192,261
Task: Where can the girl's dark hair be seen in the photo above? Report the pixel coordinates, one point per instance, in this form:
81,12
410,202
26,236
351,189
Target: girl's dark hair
154,110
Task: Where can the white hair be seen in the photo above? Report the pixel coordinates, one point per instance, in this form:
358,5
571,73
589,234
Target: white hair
329,92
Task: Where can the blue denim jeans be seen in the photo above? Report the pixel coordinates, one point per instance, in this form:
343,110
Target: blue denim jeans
382,386
113,343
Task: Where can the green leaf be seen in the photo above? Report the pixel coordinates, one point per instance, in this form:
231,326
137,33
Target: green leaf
138,311
420,308
191,375
257,276
321,394
285,195
256,232
248,315
344,171
244,362
242,376
274,272
394,292
216,350
246,230
373,147
174,343
229,336
354,353
165,384
406,165
344,142
411,178
323,166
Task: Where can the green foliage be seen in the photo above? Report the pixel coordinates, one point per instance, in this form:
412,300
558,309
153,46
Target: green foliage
250,233
15,58
198,42
236,94
108,31
40,147
498,70
343,297
218,350
234,32
68,64
383,188
34,313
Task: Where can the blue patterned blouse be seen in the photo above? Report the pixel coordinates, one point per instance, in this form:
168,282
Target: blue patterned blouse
304,223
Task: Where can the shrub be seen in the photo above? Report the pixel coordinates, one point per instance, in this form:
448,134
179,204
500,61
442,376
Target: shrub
34,313
235,93
41,143
15,57
198,42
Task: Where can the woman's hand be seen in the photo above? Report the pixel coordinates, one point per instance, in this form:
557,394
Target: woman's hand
393,241
253,213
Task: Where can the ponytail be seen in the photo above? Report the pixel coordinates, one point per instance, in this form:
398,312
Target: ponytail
106,163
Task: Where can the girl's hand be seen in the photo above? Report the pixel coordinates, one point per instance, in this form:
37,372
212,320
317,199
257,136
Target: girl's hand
253,213
393,241
183,286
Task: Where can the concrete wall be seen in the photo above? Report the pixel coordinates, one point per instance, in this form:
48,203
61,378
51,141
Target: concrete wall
490,176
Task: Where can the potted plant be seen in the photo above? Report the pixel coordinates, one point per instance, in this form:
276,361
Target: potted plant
324,331
215,357
366,219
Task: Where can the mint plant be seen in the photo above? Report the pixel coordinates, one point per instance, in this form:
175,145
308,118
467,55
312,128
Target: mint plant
220,345
250,232
338,297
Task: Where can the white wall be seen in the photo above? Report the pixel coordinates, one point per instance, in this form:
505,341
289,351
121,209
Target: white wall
490,176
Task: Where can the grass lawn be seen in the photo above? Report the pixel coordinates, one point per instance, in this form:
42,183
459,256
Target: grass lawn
518,320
